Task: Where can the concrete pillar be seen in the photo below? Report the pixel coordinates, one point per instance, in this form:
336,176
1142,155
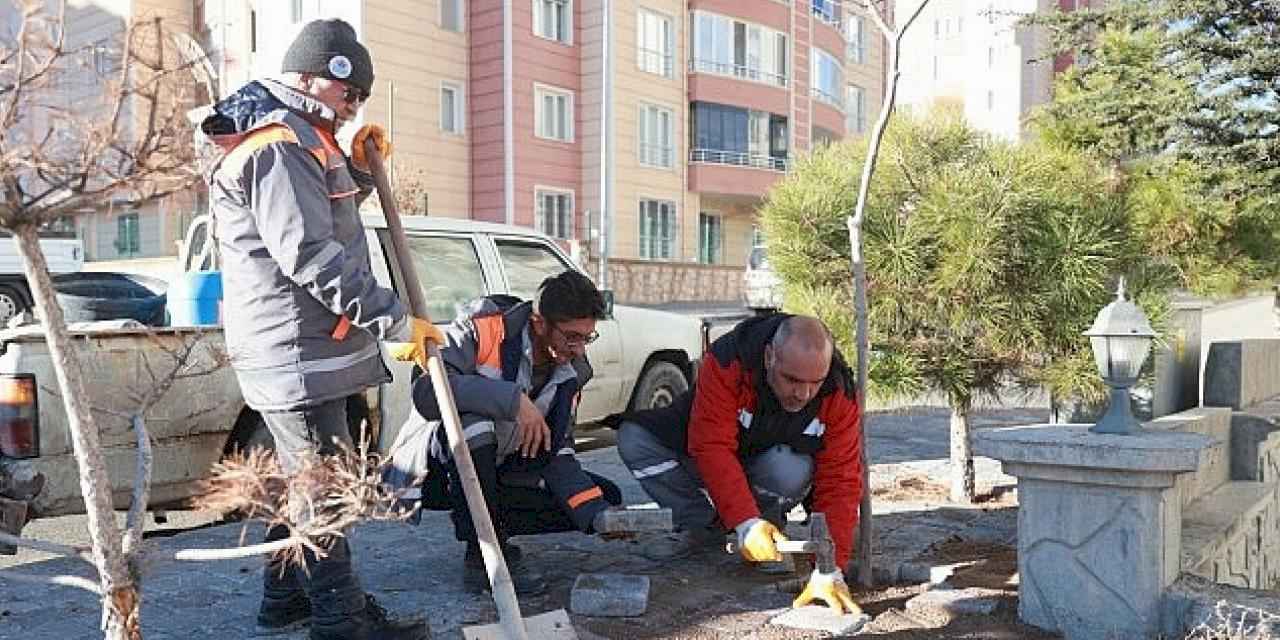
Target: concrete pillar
1099,524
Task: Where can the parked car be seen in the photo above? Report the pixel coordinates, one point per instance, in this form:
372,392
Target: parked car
62,250
761,287
643,358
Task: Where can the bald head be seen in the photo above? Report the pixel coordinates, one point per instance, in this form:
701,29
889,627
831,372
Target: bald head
797,360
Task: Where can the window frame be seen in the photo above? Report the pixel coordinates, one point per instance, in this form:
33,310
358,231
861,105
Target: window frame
462,20
568,22
541,90
459,108
672,247
667,57
128,236
539,222
668,148
718,257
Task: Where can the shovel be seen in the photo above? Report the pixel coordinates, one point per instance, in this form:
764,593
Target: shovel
553,625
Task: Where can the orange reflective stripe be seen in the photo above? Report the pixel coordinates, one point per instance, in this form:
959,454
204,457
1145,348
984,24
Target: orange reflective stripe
585,496
344,327
490,332
257,140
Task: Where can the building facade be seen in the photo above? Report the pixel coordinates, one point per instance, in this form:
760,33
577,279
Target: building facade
644,131
976,55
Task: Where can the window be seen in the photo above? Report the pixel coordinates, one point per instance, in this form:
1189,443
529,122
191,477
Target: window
991,100
732,135
527,264
657,141
449,268
105,59
553,213
451,111
553,19
657,229
554,113
825,10
655,43
856,35
128,235
295,11
727,47
856,110
451,15
710,238
991,57
828,79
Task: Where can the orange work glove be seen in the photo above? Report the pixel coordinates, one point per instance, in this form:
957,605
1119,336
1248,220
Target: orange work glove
415,350
379,136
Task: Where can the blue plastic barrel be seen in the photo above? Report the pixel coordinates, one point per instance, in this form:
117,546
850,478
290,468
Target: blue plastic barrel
195,298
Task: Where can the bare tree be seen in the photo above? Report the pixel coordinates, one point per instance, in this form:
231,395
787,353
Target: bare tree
879,11
126,139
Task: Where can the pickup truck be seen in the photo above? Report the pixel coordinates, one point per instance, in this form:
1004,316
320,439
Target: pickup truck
643,358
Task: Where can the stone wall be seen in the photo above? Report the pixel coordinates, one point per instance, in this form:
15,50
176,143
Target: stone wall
1250,557
644,282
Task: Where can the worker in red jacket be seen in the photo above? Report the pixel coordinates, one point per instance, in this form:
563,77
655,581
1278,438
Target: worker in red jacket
771,423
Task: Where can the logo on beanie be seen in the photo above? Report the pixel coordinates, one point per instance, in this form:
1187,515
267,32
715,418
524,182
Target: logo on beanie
340,67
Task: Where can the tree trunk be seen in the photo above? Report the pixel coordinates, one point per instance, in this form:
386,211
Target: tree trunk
859,270
120,595
962,483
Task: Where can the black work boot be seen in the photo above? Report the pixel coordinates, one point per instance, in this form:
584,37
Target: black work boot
279,616
374,623
475,578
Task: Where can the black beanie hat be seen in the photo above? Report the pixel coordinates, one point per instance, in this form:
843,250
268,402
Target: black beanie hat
329,48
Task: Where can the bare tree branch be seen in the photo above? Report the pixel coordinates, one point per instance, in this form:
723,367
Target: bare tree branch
61,581
141,487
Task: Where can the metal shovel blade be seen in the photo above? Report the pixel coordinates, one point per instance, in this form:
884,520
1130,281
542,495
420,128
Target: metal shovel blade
552,625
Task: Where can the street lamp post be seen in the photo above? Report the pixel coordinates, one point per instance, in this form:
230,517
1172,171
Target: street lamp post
1121,338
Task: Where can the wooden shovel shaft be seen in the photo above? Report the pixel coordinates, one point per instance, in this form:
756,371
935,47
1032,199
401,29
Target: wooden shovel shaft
504,594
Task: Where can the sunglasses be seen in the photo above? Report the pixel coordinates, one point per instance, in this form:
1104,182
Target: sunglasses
353,95
575,339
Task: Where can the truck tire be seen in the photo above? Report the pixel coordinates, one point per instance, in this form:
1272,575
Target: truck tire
659,385
12,302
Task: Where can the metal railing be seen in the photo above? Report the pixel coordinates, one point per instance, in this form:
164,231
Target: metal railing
823,96
656,155
656,62
702,65
737,159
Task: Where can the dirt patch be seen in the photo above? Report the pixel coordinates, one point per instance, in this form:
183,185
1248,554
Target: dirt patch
920,488
986,565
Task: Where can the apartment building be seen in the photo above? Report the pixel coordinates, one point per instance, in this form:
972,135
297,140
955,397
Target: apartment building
975,54
642,132
114,229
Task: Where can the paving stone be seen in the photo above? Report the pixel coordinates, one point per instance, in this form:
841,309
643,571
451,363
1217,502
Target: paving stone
960,602
821,618
609,595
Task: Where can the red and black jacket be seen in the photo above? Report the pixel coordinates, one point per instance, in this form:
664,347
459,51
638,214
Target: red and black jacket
731,414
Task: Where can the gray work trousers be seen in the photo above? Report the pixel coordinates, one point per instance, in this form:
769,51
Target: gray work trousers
779,477
329,583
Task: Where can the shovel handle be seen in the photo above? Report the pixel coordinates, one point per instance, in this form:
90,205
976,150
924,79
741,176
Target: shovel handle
504,593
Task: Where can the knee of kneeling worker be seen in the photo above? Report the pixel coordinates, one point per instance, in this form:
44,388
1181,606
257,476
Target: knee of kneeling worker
634,443
782,471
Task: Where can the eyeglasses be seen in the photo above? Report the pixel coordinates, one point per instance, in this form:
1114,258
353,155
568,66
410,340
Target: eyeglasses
353,95
576,339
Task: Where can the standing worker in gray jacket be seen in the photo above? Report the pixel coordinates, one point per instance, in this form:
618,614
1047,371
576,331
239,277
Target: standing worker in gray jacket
302,312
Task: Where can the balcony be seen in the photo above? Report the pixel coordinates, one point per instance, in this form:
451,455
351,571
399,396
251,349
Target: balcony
731,70
656,62
737,159
823,96
732,173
